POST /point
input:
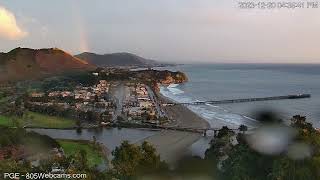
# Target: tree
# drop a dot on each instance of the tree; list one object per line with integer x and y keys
{"x": 119, "y": 118}
{"x": 79, "y": 127}
{"x": 225, "y": 131}
{"x": 78, "y": 123}
{"x": 241, "y": 162}
{"x": 10, "y": 165}
{"x": 131, "y": 160}
{"x": 15, "y": 122}
{"x": 243, "y": 128}
{"x": 80, "y": 159}
{"x": 220, "y": 146}
{"x": 151, "y": 162}
{"x": 244, "y": 163}
{"x": 300, "y": 122}
{"x": 79, "y": 130}
{"x": 285, "y": 168}
{"x": 126, "y": 159}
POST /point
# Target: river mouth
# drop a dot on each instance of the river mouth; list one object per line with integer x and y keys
{"x": 109, "y": 137}
{"x": 113, "y": 137}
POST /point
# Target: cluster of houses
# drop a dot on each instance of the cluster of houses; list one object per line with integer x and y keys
{"x": 81, "y": 93}
{"x": 138, "y": 105}
{"x": 95, "y": 98}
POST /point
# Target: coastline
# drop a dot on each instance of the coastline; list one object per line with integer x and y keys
{"x": 173, "y": 145}
{"x": 183, "y": 116}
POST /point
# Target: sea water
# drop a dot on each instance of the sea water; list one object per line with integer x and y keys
{"x": 232, "y": 81}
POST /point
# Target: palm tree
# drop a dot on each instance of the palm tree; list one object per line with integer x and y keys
{"x": 243, "y": 128}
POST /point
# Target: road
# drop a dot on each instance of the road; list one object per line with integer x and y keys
{"x": 119, "y": 94}
{"x": 154, "y": 100}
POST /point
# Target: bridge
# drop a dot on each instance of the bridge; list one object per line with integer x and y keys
{"x": 203, "y": 131}
{"x": 228, "y": 101}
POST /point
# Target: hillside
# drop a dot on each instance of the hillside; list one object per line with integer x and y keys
{"x": 24, "y": 63}
{"x": 116, "y": 59}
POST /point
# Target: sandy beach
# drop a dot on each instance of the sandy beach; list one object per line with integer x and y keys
{"x": 173, "y": 145}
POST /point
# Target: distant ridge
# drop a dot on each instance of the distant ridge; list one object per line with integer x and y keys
{"x": 117, "y": 59}
{"x": 25, "y": 63}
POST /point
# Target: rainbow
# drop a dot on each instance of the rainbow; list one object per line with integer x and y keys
{"x": 80, "y": 27}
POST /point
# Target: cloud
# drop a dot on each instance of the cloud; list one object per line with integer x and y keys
{"x": 9, "y": 28}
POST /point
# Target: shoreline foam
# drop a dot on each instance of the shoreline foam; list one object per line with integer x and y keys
{"x": 216, "y": 116}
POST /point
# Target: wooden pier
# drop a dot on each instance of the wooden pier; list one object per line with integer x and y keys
{"x": 229, "y": 101}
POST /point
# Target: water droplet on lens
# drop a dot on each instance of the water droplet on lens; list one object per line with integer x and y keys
{"x": 271, "y": 139}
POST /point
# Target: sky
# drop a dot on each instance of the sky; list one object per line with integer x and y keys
{"x": 180, "y": 31}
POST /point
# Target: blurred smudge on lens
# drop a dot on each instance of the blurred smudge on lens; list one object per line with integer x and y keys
{"x": 271, "y": 139}
{"x": 267, "y": 117}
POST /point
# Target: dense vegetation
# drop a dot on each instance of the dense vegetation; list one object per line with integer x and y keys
{"x": 116, "y": 59}
{"x": 241, "y": 161}
{"x": 224, "y": 160}
{"x": 6, "y": 122}
{"x": 2, "y": 94}
{"x": 143, "y": 76}
{"x": 68, "y": 81}
{"x": 32, "y": 119}
{"x": 133, "y": 161}
{"x": 130, "y": 161}
{"x": 20, "y": 137}
{"x": 227, "y": 160}
{"x": 93, "y": 151}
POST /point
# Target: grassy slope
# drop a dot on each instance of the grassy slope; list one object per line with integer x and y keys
{"x": 4, "y": 99}
{"x": 40, "y": 120}
{"x": 5, "y": 121}
{"x": 94, "y": 156}
{"x": 50, "y": 121}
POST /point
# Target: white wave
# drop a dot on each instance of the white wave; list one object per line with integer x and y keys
{"x": 173, "y": 88}
{"x": 212, "y": 114}
{"x": 219, "y": 107}
{"x": 250, "y": 118}
{"x": 212, "y": 105}
{"x": 174, "y": 96}
{"x": 173, "y": 85}
{"x": 176, "y": 91}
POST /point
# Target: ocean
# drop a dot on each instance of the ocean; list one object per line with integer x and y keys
{"x": 231, "y": 81}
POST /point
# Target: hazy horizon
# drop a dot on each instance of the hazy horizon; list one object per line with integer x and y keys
{"x": 177, "y": 31}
